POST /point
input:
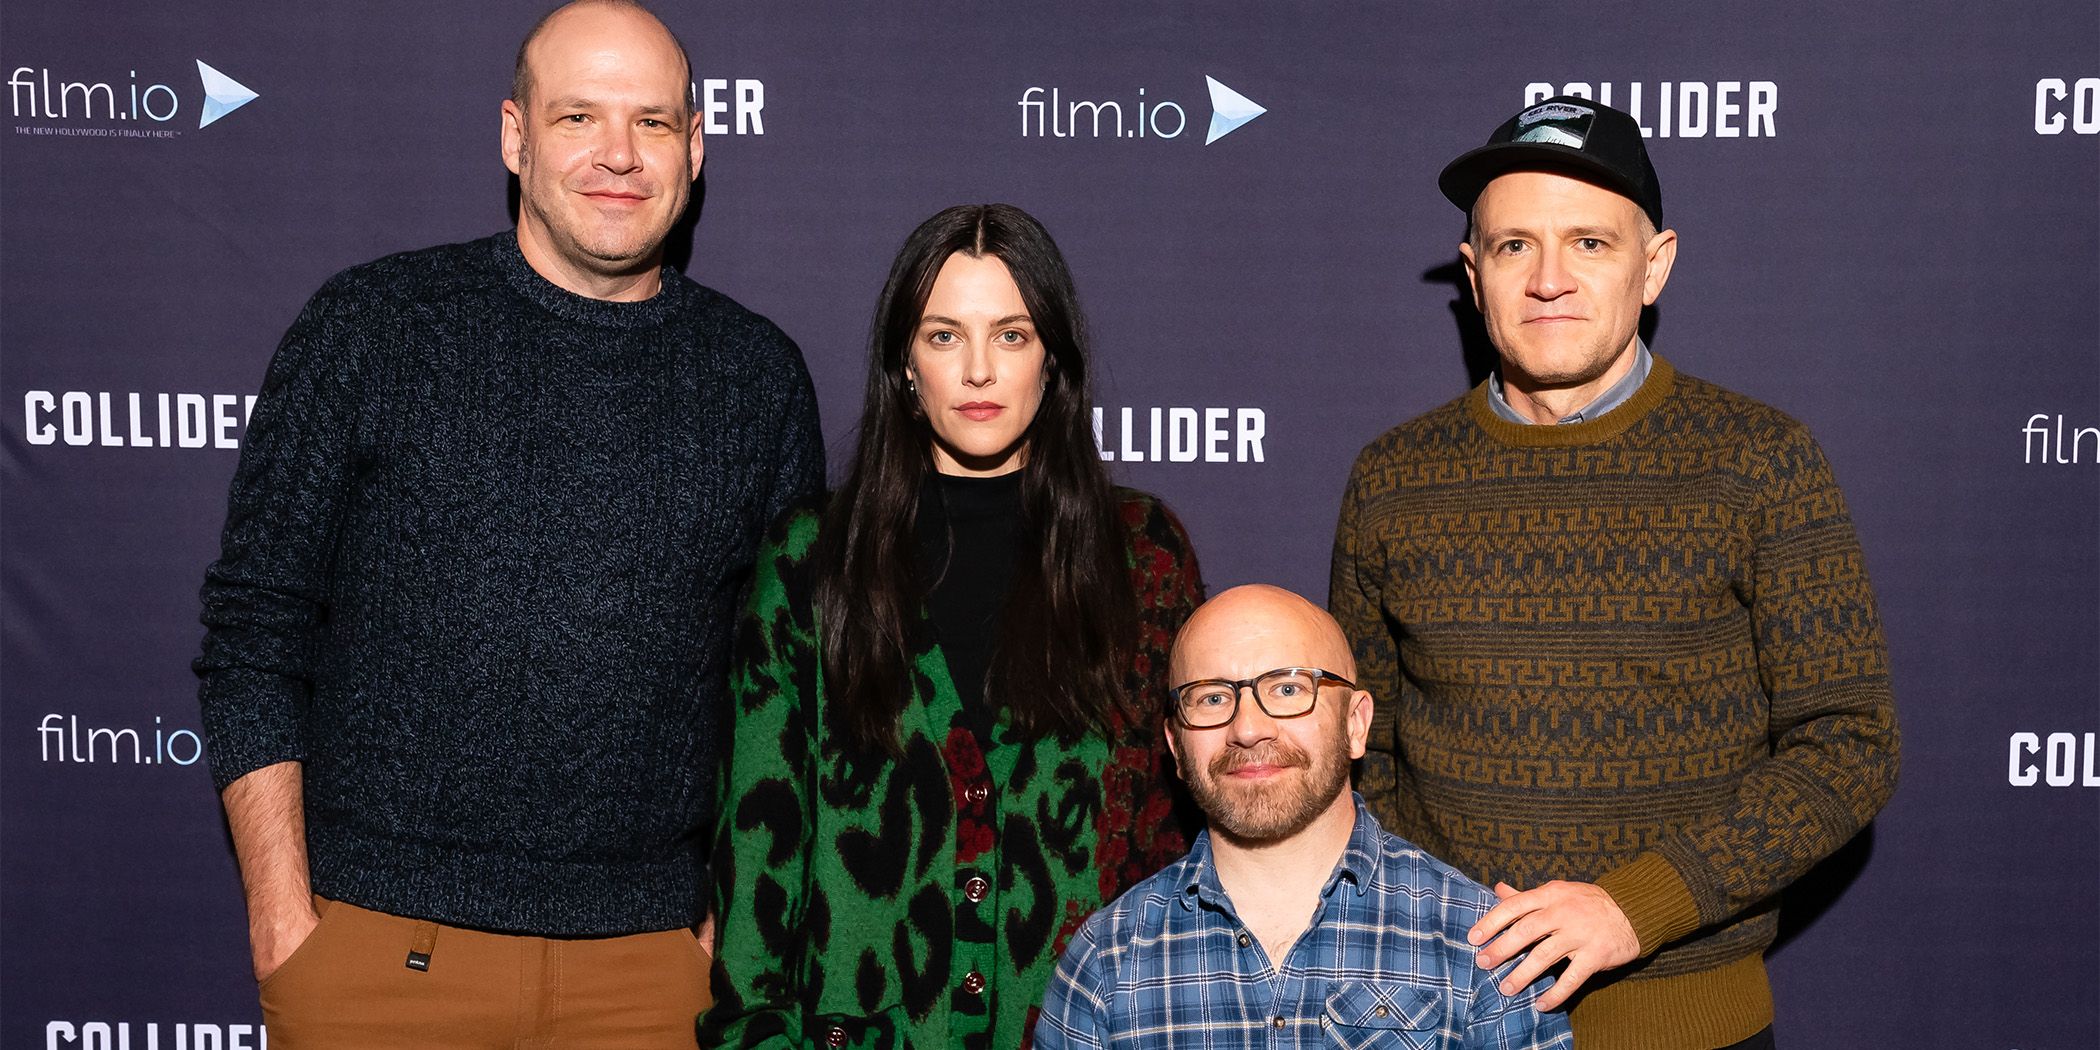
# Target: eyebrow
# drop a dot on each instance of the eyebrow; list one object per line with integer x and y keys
{"x": 1008, "y": 319}
{"x": 1599, "y": 232}
{"x": 573, "y": 102}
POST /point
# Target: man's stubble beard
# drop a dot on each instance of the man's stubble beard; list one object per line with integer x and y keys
{"x": 1258, "y": 813}
{"x": 567, "y": 227}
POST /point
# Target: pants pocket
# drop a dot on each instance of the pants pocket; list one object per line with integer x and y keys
{"x": 307, "y": 948}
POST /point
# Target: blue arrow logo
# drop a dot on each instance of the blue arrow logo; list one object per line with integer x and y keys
{"x": 1229, "y": 110}
{"x": 222, "y": 94}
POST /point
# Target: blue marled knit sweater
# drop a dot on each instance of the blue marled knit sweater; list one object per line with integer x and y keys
{"x": 479, "y": 573}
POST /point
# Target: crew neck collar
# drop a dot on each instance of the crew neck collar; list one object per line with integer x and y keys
{"x": 583, "y": 309}
{"x": 1662, "y": 379}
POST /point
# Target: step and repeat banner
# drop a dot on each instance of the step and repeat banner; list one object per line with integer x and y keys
{"x": 1890, "y": 223}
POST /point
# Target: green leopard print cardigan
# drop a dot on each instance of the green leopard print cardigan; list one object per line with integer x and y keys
{"x": 924, "y": 903}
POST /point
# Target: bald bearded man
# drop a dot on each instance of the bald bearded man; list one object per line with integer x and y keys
{"x": 1295, "y": 920}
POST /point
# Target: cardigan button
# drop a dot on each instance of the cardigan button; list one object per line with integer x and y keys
{"x": 977, "y": 889}
{"x": 834, "y": 1036}
{"x": 977, "y": 793}
{"x": 973, "y": 982}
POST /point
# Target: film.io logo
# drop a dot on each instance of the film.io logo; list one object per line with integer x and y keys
{"x": 61, "y": 738}
{"x": 2052, "y": 441}
{"x": 1052, "y": 113}
{"x": 55, "y": 105}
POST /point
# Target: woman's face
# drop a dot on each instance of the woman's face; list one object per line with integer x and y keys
{"x": 977, "y": 367}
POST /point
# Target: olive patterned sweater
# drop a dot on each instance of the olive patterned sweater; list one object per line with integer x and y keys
{"x": 1639, "y": 651}
{"x": 923, "y": 901}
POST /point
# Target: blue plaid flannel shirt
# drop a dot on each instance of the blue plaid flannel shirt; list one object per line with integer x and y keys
{"x": 1384, "y": 963}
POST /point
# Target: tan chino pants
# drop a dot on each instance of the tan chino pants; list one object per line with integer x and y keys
{"x": 366, "y": 979}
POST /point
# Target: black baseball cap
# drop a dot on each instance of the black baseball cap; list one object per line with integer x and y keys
{"x": 1565, "y": 133}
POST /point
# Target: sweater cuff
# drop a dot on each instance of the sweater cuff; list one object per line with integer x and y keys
{"x": 251, "y": 720}
{"x": 1655, "y": 899}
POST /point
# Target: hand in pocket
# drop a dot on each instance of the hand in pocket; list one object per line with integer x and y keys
{"x": 273, "y": 936}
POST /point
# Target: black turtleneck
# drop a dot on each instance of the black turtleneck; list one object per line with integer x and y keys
{"x": 967, "y": 538}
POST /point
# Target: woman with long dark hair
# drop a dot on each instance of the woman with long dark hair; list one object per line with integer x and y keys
{"x": 948, "y": 684}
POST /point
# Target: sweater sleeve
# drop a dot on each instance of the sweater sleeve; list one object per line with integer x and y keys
{"x": 1169, "y": 584}
{"x": 1823, "y": 666}
{"x": 1354, "y": 598}
{"x": 766, "y": 826}
{"x": 799, "y": 472}
{"x": 265, "y": 598}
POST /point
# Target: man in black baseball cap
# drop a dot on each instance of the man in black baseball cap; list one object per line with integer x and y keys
{"x": 1630, "y": 669}
{"x": 1565, "y": 322}
{"x": 1568, "y": 134}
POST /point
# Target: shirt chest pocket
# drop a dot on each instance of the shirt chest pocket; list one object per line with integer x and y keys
{"x": 1365, "y": 1014}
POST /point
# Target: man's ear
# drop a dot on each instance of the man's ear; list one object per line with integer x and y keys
{"x": 1662, "y": 255}
{"x": 1465, "y": 258}
{"x": 513, "y": 135}
{"x": 1359, "y": 723}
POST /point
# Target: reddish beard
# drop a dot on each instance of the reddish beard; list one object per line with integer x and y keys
{"x": 1273, "y": 753}
{"x": 1273, "y": 808}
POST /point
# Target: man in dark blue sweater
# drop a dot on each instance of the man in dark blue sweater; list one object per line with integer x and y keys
{"x": 467, "y": 635}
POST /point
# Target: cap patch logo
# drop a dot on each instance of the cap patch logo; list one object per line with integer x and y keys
{"x": 1556, "y": 123}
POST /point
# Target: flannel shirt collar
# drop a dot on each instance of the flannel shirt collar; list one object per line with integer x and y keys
{"x": 1198, "y": 879}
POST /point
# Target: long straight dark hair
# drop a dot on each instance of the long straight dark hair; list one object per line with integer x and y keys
{"x": 1066, "y": 627}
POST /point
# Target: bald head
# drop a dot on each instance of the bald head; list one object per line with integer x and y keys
{"x": 1274, "y": 771}
{"x": 1255, "y": 628}
{"x": 594, "y": 17}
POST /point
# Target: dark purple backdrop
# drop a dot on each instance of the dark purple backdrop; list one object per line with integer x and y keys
{"x": 1907, "y": 256}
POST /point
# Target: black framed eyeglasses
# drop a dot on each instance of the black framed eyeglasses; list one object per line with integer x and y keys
{"x": 1285, "y": 692}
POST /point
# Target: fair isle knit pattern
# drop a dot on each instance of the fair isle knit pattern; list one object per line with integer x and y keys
{"x": 1639, "y": 651}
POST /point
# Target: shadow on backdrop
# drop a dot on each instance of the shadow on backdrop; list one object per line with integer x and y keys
{"x": 678, "y": 244}
{"x": 1813, "y": 893}
{"x": 1477, "y": 353}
